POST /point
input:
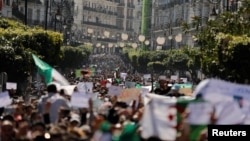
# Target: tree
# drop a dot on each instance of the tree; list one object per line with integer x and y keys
{"x": 74, "y": 57}
{"x": 225, "y": 45}
{"x": 18, "y": 42}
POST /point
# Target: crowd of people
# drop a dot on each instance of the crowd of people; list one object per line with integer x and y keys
{"x": 51, "y": 116}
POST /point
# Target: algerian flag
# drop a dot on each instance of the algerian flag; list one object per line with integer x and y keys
{"x": 199, "y": 116}
{"x": 49, "y": 73}
{"x": 162, "y": 117}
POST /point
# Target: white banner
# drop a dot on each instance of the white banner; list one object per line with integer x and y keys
{"x": 220, "y": 87}
{"x": 5, "y": 99}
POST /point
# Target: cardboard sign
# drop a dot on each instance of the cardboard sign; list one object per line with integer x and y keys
{"x": 128, "y": 95}
{"x": 186, "y": 91}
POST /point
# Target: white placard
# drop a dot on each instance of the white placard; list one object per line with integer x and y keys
{"x": 214, "y": 86}
{"x": 147, "y": 76}
{"x": 85, "y": 87}
{"x": 174, "y": 77}
{"x": 89, "y": 86}
{"x": 184, "y": 79}
{"x": 162, "y": 77}
{"x": 79, "y": 100}
{"x": 110, "y": 80}
{"x": 5, "y": 99}
{"x": 123, "y": 75}
{"x": 114, "y": 90}
{"x": 11, "y": 85}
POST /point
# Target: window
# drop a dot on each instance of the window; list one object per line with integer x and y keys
{"x": 7, "y": 2}
{"x": 30, "y": 12}
{"x": 38, "y": 15}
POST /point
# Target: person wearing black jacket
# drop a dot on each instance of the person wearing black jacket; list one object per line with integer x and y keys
{"x": 163, "y": 89}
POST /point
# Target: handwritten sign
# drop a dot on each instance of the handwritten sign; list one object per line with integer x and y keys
{"x": 114, "y": 90}
{"x": 79, "y": 100}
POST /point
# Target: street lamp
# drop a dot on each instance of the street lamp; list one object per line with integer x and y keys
{"x": 134, "y": 45}
{"x": 58, "y": 16}
{"x": 147, "y": 42}
{"x": 122, "y": 44}
{"x": 213, "y": 15}
{"x": 141, "y": 38}
{"x": 171, "y": 41}
{"x": 124, "y": 36}
{"x": 90, "y": 31}
{"x": 106, "y": 34}
{"x": 178, "y": 38}
{"x": 160, "y": 41}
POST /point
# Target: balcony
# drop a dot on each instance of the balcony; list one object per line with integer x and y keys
{"x": 99, "y": 24}
{"x": 121, "y": 4}
{"x": 120, "y": 16}
{"x": 99, "y": 10}
{"x": 130, "y": 17}
{"x": 131, "y": 5}
{"x": 106, "y": 40}
{"x": 130, "y": 29}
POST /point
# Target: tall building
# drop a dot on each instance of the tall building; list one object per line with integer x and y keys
{"x": 103, "y": 23}
{"x": 169, "y": 15}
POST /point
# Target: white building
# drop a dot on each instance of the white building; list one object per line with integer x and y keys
{"x": 169, "y": 15}
{"x": 102, "y": 22}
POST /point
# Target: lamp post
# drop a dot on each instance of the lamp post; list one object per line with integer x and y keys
{"x": 147, "y": 42}
{"x": 178, "y": 39}
{"x": 57, "y": 18}
{"x": 170, "y": 37}
{"x": 141, "y": 38}
{"x": 160, "y": 41}
{"x": 134, "y": 45}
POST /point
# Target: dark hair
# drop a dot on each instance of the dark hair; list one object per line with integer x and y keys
{"x": 9, "y": 118}
{"x": 198, "y": 96}
{"x": 62, "y": 92}
{"x": 39, "y": 124}
{"x": 52, "y": 88}
{"x": 154, "y": 139}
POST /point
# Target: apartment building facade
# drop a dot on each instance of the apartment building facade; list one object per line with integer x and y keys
{"x": 168, "y": 16}
{"x": 103, "y": 22}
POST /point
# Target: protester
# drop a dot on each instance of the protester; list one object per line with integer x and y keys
{"x": 106, "y": 117}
